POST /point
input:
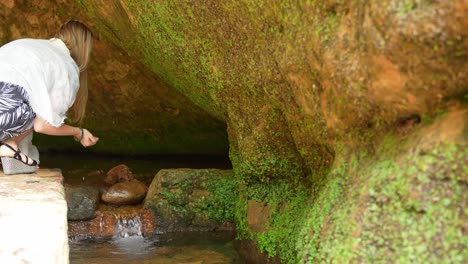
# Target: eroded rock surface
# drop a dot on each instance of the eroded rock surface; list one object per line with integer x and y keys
{"x": 190, "y": 199}
{"x": 119, "y": 173}
{"x": 33, "y": 218}
{"x": 82, "y": 202}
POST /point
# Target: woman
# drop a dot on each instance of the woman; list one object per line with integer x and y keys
{"x": 40, "y": 82}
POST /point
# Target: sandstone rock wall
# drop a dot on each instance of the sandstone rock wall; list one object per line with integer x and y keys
{"x": 291, "y": 79}
{"x": 323, "y": 102}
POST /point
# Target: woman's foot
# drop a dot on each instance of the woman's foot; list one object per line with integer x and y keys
{"x": 10, "y": 149}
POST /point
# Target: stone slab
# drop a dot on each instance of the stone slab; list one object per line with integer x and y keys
{"x": 33, "y": 218}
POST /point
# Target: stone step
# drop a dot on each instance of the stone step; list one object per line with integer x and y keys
{"x": 33, "y": 218}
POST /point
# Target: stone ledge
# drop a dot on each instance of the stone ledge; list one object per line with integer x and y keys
{"x": 33, "y": 218}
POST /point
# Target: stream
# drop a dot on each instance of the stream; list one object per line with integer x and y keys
{"x": 128, "y": 245}
{"x": 176, "y": 248}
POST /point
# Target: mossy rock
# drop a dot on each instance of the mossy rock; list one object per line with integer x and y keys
{"x": 192, "y": 199}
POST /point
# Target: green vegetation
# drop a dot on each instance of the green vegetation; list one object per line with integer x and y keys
{"x": 220, "y": 205}
{"x": 200, "y": 195}
{"x": 283, "y": 228}
{"x": 369, "y": 208}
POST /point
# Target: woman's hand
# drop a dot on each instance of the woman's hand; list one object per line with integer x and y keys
{"x": 88, "y": 139}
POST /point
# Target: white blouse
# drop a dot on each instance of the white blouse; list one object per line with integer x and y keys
{"x": 45, "y": 69}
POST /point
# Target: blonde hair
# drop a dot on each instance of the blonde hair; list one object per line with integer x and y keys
{"x": 79, "y": 40}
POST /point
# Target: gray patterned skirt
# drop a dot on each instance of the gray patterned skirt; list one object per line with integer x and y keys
{"x": 16, "y": 115}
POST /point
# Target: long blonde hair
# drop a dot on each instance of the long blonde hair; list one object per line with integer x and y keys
{"x": 79, "y": 40}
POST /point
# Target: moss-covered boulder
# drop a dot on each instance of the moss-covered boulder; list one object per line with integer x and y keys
{"x": 192, "y": 199}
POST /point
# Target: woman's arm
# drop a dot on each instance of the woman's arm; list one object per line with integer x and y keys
{"x": 42, "y": 126}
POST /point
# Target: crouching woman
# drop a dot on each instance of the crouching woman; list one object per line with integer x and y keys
{"x": 41, "y": 82}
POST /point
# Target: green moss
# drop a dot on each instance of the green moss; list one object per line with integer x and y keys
{"x": 287, "y": 202}
{"x": 240, "y": 215}
{"x": 322, "y": 213}
{"x": 267, "y": 165}
{"x": 407, "y": 6}
{"x": 164, "y": 26}
{"x": 393, "y": 207}
{"x": 220, "y": 205}
{"x": 175, "y": 200}
{"x": 284, "y": 226}
{"x": 418, "y": 204}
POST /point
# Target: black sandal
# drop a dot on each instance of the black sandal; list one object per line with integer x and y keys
{"x": 15, "y": 164}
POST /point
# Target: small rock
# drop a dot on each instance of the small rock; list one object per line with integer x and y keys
{"x": 124, "y": 193}
{"x": 82, "y": 202}
{"x": 120, "y": 173}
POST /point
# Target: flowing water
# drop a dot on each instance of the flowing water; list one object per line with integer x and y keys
{"x": 128, "y": 246}
{"x": 130, "y": 227}
{"x": 159, "y": 249}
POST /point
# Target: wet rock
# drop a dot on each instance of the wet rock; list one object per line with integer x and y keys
{"x": 105, "y": 223}
{"x": 82, "y": 202}
{"x": 120, "y": 173}
{"x": 123, "y": 193}
{"x": 258, "y": 215}
{"x": 181, "y": 200}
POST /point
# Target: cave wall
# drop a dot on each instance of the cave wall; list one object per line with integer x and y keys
{"x": 291, "y": 79}
{"x": 327, "y": 104}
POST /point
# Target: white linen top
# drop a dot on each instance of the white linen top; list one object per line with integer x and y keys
{"x": 45, "y": 69}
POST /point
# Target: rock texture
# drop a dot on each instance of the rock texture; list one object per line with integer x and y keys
{"x": 33, "y": 218}
{"x": 106, "y": 223}
{"x": 82, "y": 202}
{"x": 188, "y": 199}
{"x": 125, "y": 193}
{"x": 119, "y": 173}
{"x": 293, "y": 79}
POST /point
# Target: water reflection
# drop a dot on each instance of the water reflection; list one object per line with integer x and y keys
{"x": 84, "y": 169}
{"x": 175, "y": 248}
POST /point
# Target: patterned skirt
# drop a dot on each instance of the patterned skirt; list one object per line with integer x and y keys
{"x": 16, "y": 115}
